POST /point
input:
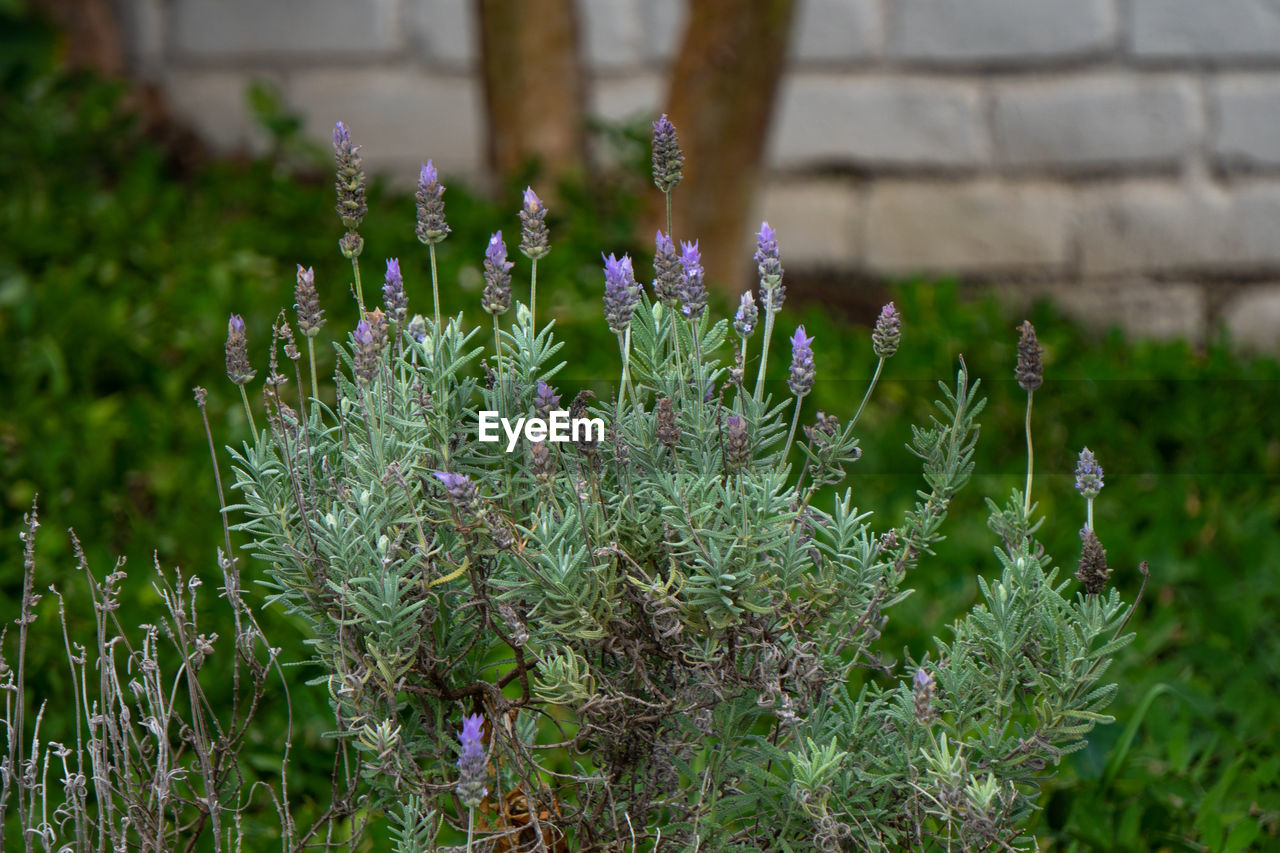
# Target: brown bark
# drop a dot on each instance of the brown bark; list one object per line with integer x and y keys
{"x": 92, "y": 32}
{"x": 723, "y": 89}
{"x": 534, "y": 91}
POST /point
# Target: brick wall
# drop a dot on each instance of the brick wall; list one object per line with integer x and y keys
{"x": 1122, "y": 154}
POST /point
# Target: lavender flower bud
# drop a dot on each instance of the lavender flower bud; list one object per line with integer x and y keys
{"x": 418, "y": 328}
{"x": 310, "y": 317}
{"x": 667, "y": 430}
{"x": 462, "y": 492}
{"x": 393, "y": 295}
{"x": 1088, "y": 475}
{"x": 744, "y": 322}
{"x": 540, "y": 462}
{"x": 351, "y": 245}
{"x": 667, "y": 159}
{"x": 1093, "y": 571}
{"x": 666, "y": 270}
{"x": 802, "y": 370}
{"x": 471, "y": 768}
{"x": 693, "y": 293}
{"x": 238, "y": 368}
{"x": 545, "y": 400}
{"x": 430, "y": 198}
{"x": 887, "y": 333}
{"x": 350, "y": 185}
{"x": 1030, "y": 371}
{"x": 534, "y": 243}
{"x": 769, "y": 265}
{"x": 370, "y": 336}
{"x": 923, "y": 688}
{"x": 737, "y": 445}
{"x": 497, "y": 276}
{"x": 621, "y": 294}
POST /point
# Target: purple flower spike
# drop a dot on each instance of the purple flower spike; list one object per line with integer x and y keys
{"x": 769, "y": 265}
{"x": 370, "y": 337}
{"x": 497, "y": 276}
{"x": 802, "y": 370}
{"x": 744, "y": 322}
{"x": 1088, "y": 475}
{"x": 693, "y": 293}
{"x": 472, "y": 773}
{"x": 310, "y": 316}
{"x": 239, "y": 370}
{"x": 668, "y": 161}
{"x": 545, "y": 400}
{"x": 621, "y": 293}
{"x": 922, "y": 690}
{"x": 534, "y": 242}
{"x": 431, "y": 226}
{"x": 666, "y": 270}
{"x": 393, "y": 295}
{"x": 887, "y": 333}
{"x": 462, "y": 492}
{"x": 737, "y": 444}
{"x": 350, "y": 185}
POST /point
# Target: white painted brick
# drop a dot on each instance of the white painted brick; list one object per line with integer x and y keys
{"x": 828, "y": 30}
{"x": 1000, "y": 30}
{"x": 400, "y": 117}
{"x": 1145, "y": 226}
{"x": 1143, "y": 309}
{"x": 446, "y": 29}
{"x": 818, "y": 222}
{"x": 227, "y": 28}
{"x": 1202, "y": 29}
{"x": 612, "y": 33}
{"x": 880, "y": 120}
{"x": 215, "y": 104}
{"x": 1096, "y": 120}
{"x": 664, "y": 23}
{"x": 971, "y": 227}
{"x": 1253, "y": 318}
{"x": 1248, "y": 120}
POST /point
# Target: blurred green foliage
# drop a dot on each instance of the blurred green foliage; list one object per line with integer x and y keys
{"x": 117, "y": 275}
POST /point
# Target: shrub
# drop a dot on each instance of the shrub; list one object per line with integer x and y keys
{"x": 661, "y": 597}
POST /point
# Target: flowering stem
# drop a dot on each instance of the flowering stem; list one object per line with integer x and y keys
{"x": 1026, "y": 500}
{"x": 1089, "y": 514}
{"x": 244, "y": 396}
{"x": 624, "y": 343}
{"x": 355, "y": 271}
{"x": 471, "y": 827}
{"x": 667, "y": 193}
{"x": 311, "y": 359}
{"x": 435, "y": 287}
{"x": 533, "y": 295}
{"x": 502, "y": 376}
{"x": 867, "y": 396}
{"x": 764, "y": 352}
{"x": 791, "y": 434}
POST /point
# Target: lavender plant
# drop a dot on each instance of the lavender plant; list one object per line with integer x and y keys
{"x": 659, "y": 624}
{"x": 654, "y": 631}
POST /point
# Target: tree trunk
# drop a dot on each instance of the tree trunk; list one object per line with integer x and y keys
{"x": 92, "y": 33}
{"x": 722, "y": 93}
{"x": 534, "y": 91}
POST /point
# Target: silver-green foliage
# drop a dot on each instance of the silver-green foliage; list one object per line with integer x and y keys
{"x": 685, "y": 626}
